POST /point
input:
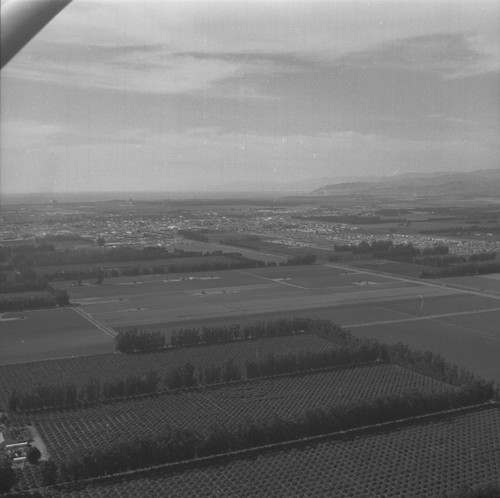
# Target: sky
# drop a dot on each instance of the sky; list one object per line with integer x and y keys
{"x": 155, "y": 95}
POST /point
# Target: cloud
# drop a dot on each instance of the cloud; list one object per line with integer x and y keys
{"x": 29, "y": 135}
{"x": 189, "y": 47}
{"x": 154, "y": 69}
{"x": 151, "y": 70}
{"x": 123, "y": 94}
{"x": 486, "y": 57}
{"x": 449, "y": 56}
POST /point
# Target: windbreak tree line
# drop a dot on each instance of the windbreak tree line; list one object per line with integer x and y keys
{"x": 228, "y": 333}
{"x": 462, "y": 270}
{"x": 386, "y": 249}
{"x": 48, "y": 298}
{"x": 350, "y": 351}
{"x": 449, "y": 265}
{"x": 176, "y": 444}
{"x": 93, "y": 391}
{"x": 223, "y": 261}
{"x": 293, "y": 363}
{"x": 28, "y": 290}
{"x": 18, "y": 301}
{"x": 139, "y": 341}
{"x": 20, "y": 285}
{"x": 99, "y": 255}
{"x": 231, "y": 261}
{"x": 304, "y": 259}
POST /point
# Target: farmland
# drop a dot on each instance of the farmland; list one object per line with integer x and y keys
{"x": 70, "y": 431}
{"x": 234, "y": 414}
{"x": 489, "y": 283}
{"x": 432, "y": 458}
{"x": 112, "y": 366}
{"x": 469, "y": 340}
{"x": 373, "y": 304}
{"x": 159, "y": 300}
{"x": 49, "y": 333}
{"x": 99, "y": 425}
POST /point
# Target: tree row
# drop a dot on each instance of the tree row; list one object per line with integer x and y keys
{"x": 176, "y": 444}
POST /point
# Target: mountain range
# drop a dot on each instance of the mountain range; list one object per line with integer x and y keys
{"x": 480, "y": 183}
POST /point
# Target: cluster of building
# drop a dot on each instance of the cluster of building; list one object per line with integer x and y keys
{"x": 273, "y": 224}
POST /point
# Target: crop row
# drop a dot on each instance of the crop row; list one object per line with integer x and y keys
{"x": 67, "y": 432}
{"x": 109, "y": 367}
{"x": 434, "y": 459}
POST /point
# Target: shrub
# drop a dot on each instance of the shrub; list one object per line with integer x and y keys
{"x": 33, "y": 455}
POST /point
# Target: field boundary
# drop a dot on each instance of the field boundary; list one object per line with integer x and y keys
{"x": 222, "y": 457}
{"x": 110, "y": 332}
{"x": 421, "y": 318}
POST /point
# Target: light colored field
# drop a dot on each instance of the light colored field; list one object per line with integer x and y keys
{"x": 471, "y": 341}
{"x": 151, "y": 301}
{"x": 50, "y": 333}
{"x": 489, "y": 283}
{"x": 240, "y": 292}
{"x": 364, "y": 300}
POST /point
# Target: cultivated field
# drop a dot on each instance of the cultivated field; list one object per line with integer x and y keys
{"x": 427, "y": 459}
{"x": 458, "y": 322}
{"x": 489, "y": 283}
{"x": 472, "y": 341}
{"x": 158, "y": 301}
{"x": 107, "y": 367}
{"x": 66, "y": 432}
{"x": 49, "y": 333}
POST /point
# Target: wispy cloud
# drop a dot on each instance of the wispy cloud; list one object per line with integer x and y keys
{"x": 248, "y": 90}
{"x": 188, "y": 47}
{"x": 148, "y": 68}
{"x": 449, "y": 56}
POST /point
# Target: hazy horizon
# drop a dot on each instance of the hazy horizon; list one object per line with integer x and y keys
{"x": 161, "y": 96}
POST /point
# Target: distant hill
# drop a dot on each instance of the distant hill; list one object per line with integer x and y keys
{"x": 481, "y": 183}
